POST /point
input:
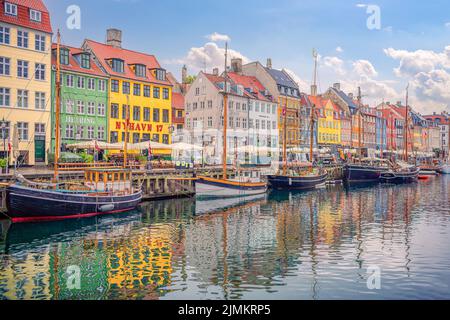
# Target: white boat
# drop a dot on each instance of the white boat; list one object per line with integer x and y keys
{"x": 445, "y": 169}
{"x": 222, "y": 204}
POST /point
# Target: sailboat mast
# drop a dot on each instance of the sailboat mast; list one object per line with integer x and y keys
{"x": 127, "y": 123}
{"x": 57, "y": 106}
{"x": 285, "y": 138}
{"x": 406, "y": 125}
{"x": 314, "y": 93}
{"x": 225, "y": 116}
{"x": 359, "y": 124}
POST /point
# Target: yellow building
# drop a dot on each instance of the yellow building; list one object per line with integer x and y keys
{"x": 25, "y": 80}
{"x": 138, "y": 85}
{"x": 329, "y": 124}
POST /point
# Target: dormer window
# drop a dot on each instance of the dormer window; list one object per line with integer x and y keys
{"x": 140, "y": 70}
{"x": 117, "y": 65}
{"x": 64, "y": 56}
{"x": 161, "y": 74}
{"x": 35, "y": 15}
{"x": 85, "y": 61}
{"x": 10, "y": 9}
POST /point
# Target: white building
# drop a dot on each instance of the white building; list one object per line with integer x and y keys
{"x": 252, "y": 129}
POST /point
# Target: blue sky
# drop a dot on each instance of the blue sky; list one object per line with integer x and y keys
{"x": 411, "y": 45}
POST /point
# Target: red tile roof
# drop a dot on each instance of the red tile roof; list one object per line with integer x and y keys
{"x": 105, "y": 52}
{"x": 320, "y": 103}
{"x": 249, "y": 82}
{"x": 23, "y": 15}
{"x": 73, "y": 65}
{"x": 442, "y": 118}
{"x": 177, "y": 100}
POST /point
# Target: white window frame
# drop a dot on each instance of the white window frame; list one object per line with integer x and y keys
{"x": 4, "y": 32}
{"x": 91, "y": 84}
{"x": 24, "y": 36}
{"x": 23, "y": 66}
{"x": 70, "y": 82}
{"x": 39, "y": 100}
{"x": 5, "y": 93}
{"x": 10, "y": 9}
{"x": 22, "y": 98}
{"x": 39, "y": 73}
{"x": 6, "y": 65}
{"x": 101, "y": 109}
{"x": 91, "y": 108}
{"x": 35, "y": 15}
{"x": 40, "y": 42}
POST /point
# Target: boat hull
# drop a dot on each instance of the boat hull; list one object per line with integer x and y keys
{"x": 29, "y": 205}
{"x": 445, "y": 169}
{"x": 280, "y": 182}
{"x": 358, "y": 173}
{"x": 209, "y": 188}
{"x": 400, "y": 177}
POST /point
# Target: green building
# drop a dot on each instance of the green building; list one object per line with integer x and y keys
{"x": 84, "y": 97}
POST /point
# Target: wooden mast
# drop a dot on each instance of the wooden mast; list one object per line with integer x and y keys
{"x": 406, "y": 125}
{"x": 313, "y": 109}
{"x": 57, "y": 106}
{"x": 359, "y": 124}
{"x": 127, "y": 123}
{"x": 225, "y": 116}
{"x": 285, "y": 138}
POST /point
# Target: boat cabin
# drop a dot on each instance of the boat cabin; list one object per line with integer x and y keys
{"x": 109, "y": 180}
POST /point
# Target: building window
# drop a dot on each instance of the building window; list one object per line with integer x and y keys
{"x": 155, "y": 114}
{"x": 155, "y": 137}
{"x": 136, "y": 113}
{"x": 80, "y": 107}
{"x": 125, "y": 112}
{"x": 10, "y": 9}
{"x": 64, "y": 56}
{"x": 22, "y": 39}
{"x": 197, "y": 91}
{"x": 156, "y": 92}
{"x": 165, "y": 138}
{"x": 22, "y": 130}
{"x": 114, "y": 111}
{"x": 91, "y": 108}
{"x": 22, "y": 69}
{"x": 85, "y": 61}
{"x": 114, "y": 85}
{"x": 145, "y": 137}
{"x": 5, "y": 65}
{"x": 22, "y": 98}
{"x": 140, "y": 70}
{"x": 91, "y": 84}
{"x": 101, "y": 111}
{"x": 166, "y": 116}
{"x": 210, "y": 104}
{"x": 136, "y": 137}
{"x": 35, "y": 15}
{"x": 39, "y": 43}
{"x": 161, "y": 74}
{"x": 101, "y": 133}
{"x": 69, "y": 131}
{"x": 5, "y": 97}
{"x": 4, "y": 35}
{"x": 114, "y": 135}
{"x": 137, "y": 89}
{"x": 39, "y": 71}
{"x": 146, "y": 91}
{"x": 80, "y": 132}
{"x": 6, "y": 130}
{"x": 166, "y": 94}
{"x": 126, "y": 87}
{"x": 102, "y": 85}
{"x": 146, "y": 114}
{"x": 210, "y": 122}
{"x": 39, "y": 129}
{"x": 117, "y": 65}
{"x": 69, "y": 81}
{"x": 40, "y": 100}
{"x": 90, "y": 133}
{"x": 80, "y": 83}
{"x": 70, "y": 106}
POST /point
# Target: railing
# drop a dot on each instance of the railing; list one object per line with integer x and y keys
{"x": 82, "y": 166}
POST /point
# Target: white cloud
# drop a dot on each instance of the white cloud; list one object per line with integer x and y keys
{"x": 447, "y": 24}
{"x": 209, "y": 55}
{"x": 361, "y": 5}
{"x": 304, "y": 86}
{"x": 428, "y": 73}
{"x": 216, "y": 37}
{"x": 335, "y": 64}
{"x": 364, "y": 68}
{"x": 339, "y": 50}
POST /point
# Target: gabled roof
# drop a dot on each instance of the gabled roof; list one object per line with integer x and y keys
{"x": 441, "y": 119}
{"x": 74, "y": 66}
{"x": 23, "y": 15}
{"x": 177, "y": 100}
{"x": 321, "y": 103}
{"x": 347, "y": 100}
{"x": 256, "y": 89}
{"x": 105, "y": 52}
{"x": 282, "y": 78}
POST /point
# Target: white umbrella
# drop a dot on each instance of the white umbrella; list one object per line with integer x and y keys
{"x": 146, "y": 144}
{"x": 91, "y": 145}
{"x": 180, "y": 146}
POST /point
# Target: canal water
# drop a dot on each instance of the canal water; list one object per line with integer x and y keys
{"x": 370, "y": 242}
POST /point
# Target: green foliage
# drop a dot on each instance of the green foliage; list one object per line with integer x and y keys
{"x": 190, "y": 79}
{"x": 3, "y": 163}
{"x": 88, "y": 158}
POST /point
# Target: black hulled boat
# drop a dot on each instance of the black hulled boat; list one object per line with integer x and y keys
{"x": 367, "y": 170}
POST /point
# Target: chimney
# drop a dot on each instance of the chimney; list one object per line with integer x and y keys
{"x": 337, "y": 86}
{"x": 114, "y": 38}
{"x": 184, "y": 74}
{"x": 216, "y": 71}
{"x": 236, "y": 65}
{"x": 269, "y": 63}
{"x": 314, "y": 90}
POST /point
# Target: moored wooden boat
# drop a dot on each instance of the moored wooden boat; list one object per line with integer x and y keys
{"x": 368, "y": 170}
{"x": 206, "y": 187}
{"x": 307, "y": 181}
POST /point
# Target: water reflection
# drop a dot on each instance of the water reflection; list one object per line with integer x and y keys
{"x": 310, "y": 245}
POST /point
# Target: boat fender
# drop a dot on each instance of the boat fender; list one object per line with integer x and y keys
{"x": 107, "y": 207}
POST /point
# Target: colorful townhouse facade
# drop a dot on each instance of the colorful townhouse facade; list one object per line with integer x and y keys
{"x": 391, "y": 118}
{"x": 84, "y": 97}
{"x": 25, "y": 72}
{"x": 286, "y": 93}
{"x": 328, "y": 121}
{"x": 252, "y": 128}
{"x": 138, "y": 91}
{"x": 442, "y": 122}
